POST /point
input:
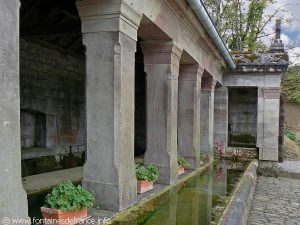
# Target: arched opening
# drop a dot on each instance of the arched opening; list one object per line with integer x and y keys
{"x": 140, "y": 103}
{"x": 52, "y": 90}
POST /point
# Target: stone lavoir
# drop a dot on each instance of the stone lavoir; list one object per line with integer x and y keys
{"x": 126, "y": 78}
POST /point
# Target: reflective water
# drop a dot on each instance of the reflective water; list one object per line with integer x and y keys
{"x": 199, "y": 201}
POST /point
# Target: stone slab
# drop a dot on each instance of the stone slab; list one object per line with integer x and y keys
{"x": 289, "y": 169}
{"x": 46, "y": 181}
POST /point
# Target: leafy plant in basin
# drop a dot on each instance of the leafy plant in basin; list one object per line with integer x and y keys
{"x": 146, "y": 175}
{"x": 67, "y": 204}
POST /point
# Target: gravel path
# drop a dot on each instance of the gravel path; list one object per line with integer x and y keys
{"x": 276, "y": 202}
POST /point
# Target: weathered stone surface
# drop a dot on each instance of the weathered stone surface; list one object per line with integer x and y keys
{"x": 52, "y": 98}
{"x": 13, "y": 202}
{"x": 242, "y": 116}
{"x": 276, "y": 202}
{"x": 241, "y": 152}
{"x": 189, "y": 92}
{"x": 221, "y": 116}
{"x": 162, "y": 68}
{"x": 110, "y": 34}
{"x": 109, "y": 169}
{"x": 207, "y": 122}
{"x": 268, "y": 168}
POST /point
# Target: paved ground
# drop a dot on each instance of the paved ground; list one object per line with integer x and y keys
{"x": 276, "y": 202}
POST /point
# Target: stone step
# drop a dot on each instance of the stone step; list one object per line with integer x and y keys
{"x": 289, "y": 169}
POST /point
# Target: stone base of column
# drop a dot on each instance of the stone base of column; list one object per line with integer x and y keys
{"x": 268, "y": 168}
{"x": 168, "y": 175}
{"x": 14, "y": 204}
{"x": 114, "y": 197}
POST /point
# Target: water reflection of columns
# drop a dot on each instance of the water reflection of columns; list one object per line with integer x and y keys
{"x": 206, "y": 194}
{"x": 189, "y": 206}
{"x": 166, "y": 215}
{"x": 220, "y": 180}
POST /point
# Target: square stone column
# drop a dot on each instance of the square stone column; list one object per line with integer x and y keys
{"x": 13, "y": 199}
{"x": 221, "y": 116}
{"x": 268, "y": 129}
{"x": 162, "y": 68}
{"x": 189, "y": 96}
{"x": 207, "y": 116}
{"x": 109, "y": 35}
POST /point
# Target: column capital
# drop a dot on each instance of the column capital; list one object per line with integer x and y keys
{"x": 161, "y": 53}
{"x": 208, "y": 83}
{"x": 271, "y": 92}
{"x": 114, "y": 16}
{"x": 193, "y": 72}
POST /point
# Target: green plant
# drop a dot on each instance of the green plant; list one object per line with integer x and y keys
{"x": 149, "y": 172}
{"x": 292, "y": 135}
{"x": 202, "y": 156}
{"x": 216, "y": 155}
{"x": 100, "y": 206}
{"x": 182, "y": 162}
{"x": 68, "y": 197}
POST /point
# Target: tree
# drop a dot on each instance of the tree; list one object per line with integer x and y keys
{"x": 242, "y": 23}
{"x": 290, "y": 84}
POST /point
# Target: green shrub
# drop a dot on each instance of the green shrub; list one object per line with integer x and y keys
{"x": 202, "y": 156}
{"x": 182, "y": 162}
{"x": 149, "y": 172}
{"x": 68, "y": 197}
{"x": 216, "y": 155}
{"x": 291, "y": 135}
{"x": 290, "y": 84}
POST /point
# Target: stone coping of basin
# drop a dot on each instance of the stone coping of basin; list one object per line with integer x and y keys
{"x": 156, "y": 192}
{"x": 238, "y": 208}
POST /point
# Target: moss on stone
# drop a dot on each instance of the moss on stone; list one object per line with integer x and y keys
{"x": 252, "y": 57}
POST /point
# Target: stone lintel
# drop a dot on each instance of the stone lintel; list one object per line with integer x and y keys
{"x": 114, "y": 16}
{"x": 161, "y": 53}
{"x": 271, "y": 92}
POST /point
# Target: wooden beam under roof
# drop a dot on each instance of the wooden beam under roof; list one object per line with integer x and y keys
{"x": 52, "y": 30}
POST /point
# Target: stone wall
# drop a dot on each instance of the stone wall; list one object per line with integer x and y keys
{"x": 52, "y": 99}
{"x": 242, "y": 117}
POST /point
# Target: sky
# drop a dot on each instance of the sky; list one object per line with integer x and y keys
{"x": 290, "y": 31}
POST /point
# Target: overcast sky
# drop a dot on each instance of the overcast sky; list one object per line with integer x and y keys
{"x": 290, "y": 32}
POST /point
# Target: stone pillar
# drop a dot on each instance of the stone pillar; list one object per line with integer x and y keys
{"x": 162, "y": 68}
{"x": 13, "y": 199}
{"x": 109, "y": 35}
{"x": 268, "y": 129}
{"x": 189, "y": 95}
{"x": 221, "y": 116}
{"x": 207, "y": 116}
